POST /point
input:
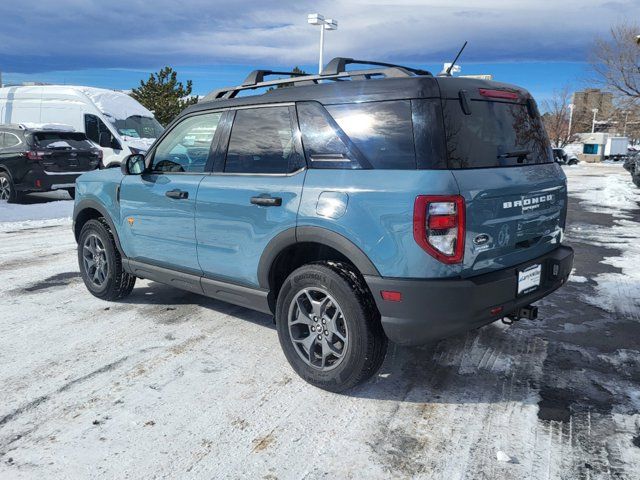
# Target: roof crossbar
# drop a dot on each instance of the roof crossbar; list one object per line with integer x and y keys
{"x": 339, "y": 64}
{"x": 257, "y": 76}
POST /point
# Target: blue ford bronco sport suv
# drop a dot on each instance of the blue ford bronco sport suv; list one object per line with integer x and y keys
{"x": 356, "y": 206}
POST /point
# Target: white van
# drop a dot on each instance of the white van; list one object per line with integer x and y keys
{"x": 114, "y": 121}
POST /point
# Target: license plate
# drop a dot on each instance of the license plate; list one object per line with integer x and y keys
{"x": 529, "y": 279}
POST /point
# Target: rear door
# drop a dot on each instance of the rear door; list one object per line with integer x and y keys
{"x": 158, "y": 207}
{"x": 515, "y": 194}
{"x": 253, "y": 195}
{"x": 65, "y": 152}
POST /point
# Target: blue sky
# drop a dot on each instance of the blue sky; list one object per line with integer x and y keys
{"x": 541, "y": 45}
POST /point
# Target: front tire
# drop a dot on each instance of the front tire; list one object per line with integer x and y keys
{"x": 101, "y": 264}
{"x": 329, "y": 327}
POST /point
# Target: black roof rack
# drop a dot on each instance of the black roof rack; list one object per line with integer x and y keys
{"x": 338, "y": 65}
{"x": 335, "y": 70}
{"x": 257, "y": 76}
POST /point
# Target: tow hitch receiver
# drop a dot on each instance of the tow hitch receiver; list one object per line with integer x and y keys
{"x": 529, "y": 313}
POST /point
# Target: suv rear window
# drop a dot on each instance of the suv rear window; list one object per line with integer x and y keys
{"x": 62, "y": 140}
{"x": 495, "y": 134}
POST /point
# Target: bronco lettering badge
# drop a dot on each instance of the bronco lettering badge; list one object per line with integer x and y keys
{"x": 529, "y": 203}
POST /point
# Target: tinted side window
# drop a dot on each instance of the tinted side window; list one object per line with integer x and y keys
{"x": 9, "y": 140}
{"x": 187, "y": 146}
{"x": 93, "y": 127}
{"x": 325, "y": 144}
{"x": 262, "y": 141}
{"x": 382, "y": 132}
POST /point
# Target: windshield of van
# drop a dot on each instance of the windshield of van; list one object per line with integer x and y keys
{"x": 496, "y": 134}
{"x": 137, "y": 126}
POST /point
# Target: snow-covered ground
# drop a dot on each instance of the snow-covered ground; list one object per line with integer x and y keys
{"x": 38, "y": 209}
{"x": 169, "y": 384}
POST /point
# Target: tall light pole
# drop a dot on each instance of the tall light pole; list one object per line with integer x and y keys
{"x": 626, "y": 118}
{"x": 325, "y": 24}
{"x": 593, "y": 123}
{"x": 571, "y": 107}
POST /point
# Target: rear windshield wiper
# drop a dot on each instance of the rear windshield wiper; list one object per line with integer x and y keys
{"x": 521, "y": 155}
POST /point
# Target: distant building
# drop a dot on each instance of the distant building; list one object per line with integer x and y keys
{"x": 584, "y": 102}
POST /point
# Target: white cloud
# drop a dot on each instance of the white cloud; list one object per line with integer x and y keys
{"x": 75, "y": 33}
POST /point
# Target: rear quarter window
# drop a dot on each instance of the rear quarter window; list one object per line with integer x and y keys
{"x": 376, "y": 135}
{"x": 382, "y": 131}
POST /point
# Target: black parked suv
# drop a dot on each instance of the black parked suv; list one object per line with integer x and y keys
{"x": 43, "y": 159}
{"x": 561, "y": 156}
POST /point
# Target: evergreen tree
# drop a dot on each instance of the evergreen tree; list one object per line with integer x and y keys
{"x": 296, "y": 69}
{"x": 164, "y": 95}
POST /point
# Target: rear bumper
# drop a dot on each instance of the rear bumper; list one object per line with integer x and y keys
{"x": 435, "y": 309}
{"x": 41, "y": 181}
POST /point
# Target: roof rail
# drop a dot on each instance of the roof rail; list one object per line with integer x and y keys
{"x": 334, "y": 71}
{"x": 338, "y": 65}
{"x": 257, "y": 76}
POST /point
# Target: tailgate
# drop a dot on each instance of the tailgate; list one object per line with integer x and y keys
{"x": 513, "y": 214}
{"x": 65, "y": 152}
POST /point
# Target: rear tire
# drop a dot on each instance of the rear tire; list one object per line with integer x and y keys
{"x": 101, "y": 264}
{"x": 636, "y": 180}
{"x": 8, "y": 192}
{"x": 329, "y": 327}
{"x": 72, "y": 193}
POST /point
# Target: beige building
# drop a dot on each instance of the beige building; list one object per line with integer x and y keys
{"x": 584, "y": 102}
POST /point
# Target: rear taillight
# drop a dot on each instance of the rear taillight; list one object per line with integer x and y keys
{"x": 99, "y": 154}
{"x": 34, "y": 155}
{"x": 439, "y": 226}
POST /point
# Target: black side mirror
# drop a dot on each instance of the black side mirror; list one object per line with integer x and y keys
{"x": 133, "y": 165}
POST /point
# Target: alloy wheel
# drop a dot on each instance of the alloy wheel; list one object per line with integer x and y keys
{"x": 94, "y": 257}
{"x": 317, "y": 329}
{"x": 5, "y": 189}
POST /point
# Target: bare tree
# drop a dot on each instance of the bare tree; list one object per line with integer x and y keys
{"x": 556, "y": 117}
{"x": 626, "y": 118}
{"x": 616, "y": 60}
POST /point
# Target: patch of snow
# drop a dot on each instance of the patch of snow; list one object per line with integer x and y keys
{"x": 577, "y": 278}
{"x": 59, "y": 144}
{"x": 117, "y": 105}
{"x": 58, "y": 127}
{"x": 502, "y": 457}
{"x": 610, "y": 191}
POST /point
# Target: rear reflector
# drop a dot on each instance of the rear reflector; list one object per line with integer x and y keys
{"x": 38, "y": 183}
{"x": 496, "y": 310}
{"x": 391, "y": 296}
{"x": 442, "y": 222}
{"x": 504, "y": 94}
{"x": 439, "y": 226}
